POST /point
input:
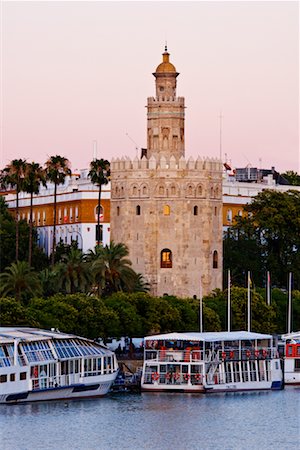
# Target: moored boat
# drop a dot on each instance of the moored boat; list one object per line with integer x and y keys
{"x": 211, "y": 362}
{"x": 289, "y": 349}
{"x": 40, "y": 365}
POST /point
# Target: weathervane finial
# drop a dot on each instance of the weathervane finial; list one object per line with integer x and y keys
{"x": 166, "y": 46}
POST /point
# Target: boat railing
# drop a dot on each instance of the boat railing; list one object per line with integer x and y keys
{"x": 170, "y": 355}
{"x": 173, "y": 379}
{"x": 238, "y": 376}
{"x": 246, "y": 353}
{"x": 55, "y": 381}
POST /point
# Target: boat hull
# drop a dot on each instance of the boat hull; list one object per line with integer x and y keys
{"x": 59, "y": 393}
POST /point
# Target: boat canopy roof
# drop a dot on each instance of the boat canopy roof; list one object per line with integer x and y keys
{"x": 27, "y": 335}
{"x": 295, "y": 335}
{"x": 209, "y": 337}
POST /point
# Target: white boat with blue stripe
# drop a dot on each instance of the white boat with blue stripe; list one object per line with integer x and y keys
{"x": 38, "y": 365}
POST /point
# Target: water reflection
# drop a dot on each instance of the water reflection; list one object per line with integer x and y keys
{"x": 264, "y": 420}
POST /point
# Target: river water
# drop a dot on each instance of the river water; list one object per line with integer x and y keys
{"x": 265, "y": 420}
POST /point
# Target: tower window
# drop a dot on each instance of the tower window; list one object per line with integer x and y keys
{"x": 118, "y": 210}
{"x": 138, "y": 210}
{"x": 166, "y": 259}
{"x": 167, "y": 210}
{"x": 196, "y": 210}
{"x": 215, "y": 259}
{"x": 161, "y": 88}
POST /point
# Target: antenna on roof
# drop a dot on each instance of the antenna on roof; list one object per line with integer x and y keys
{"x": 136, "y": 145}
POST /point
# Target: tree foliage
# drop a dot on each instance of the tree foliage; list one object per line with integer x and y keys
{"x": 267, "y": 240}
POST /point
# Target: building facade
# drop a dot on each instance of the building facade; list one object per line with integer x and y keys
{"x": 77, "y": 202}
{"x": 168, "y": 209}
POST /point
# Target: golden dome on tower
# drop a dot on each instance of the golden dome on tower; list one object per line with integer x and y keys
{"x": 165, "y": 66}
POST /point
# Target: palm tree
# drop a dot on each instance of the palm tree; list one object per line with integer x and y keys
{"x": 73, "y": 272}
{"x": 34, "y": 177}
{"x": 19, "y": 279}
{"x": 13, "y": 175}
{"x": 112, "y": 270}
{"x": 57, "y": 169}
{"x": 99, "y": 174}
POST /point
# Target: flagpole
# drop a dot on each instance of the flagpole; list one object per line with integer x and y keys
{"x": 228, "y": 300}
{"x": 290, "y": 303}
{"x": 200, "y": 308}
{"x": 249, "y": 315}
{"x": 268, "y": 289}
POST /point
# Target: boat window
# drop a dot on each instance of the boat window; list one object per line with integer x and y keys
{"x": 12, "y": 377}
{"x": 23, "y": 376}
{"x": 37, "y": 351}
{"x": 297, "y": 365}
{"x": 3, "y": 378}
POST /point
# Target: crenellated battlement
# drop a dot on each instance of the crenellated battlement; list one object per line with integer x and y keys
{"x": 160, "y": 162}
{"x": 165, "y": 99}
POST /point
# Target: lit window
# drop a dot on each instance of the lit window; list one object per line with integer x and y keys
{"x": 215, "y": 259}
{"x": 167, "y": 210}
{"x": 166, "y": 259}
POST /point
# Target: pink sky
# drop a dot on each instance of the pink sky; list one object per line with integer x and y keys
{"x": 76, "y": 72}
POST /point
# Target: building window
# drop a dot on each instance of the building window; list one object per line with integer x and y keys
{"x": 199, "y": 190}
{"x": 101, "y": 213}
{"x": 196, "y": 210}
{"x": 229, "y": 215}
{"x": 138, "y": 210}
{"x": 166, "y": 259}
{"x": 167, "y": 210}
{"x": 240, "y": 213}
{"x": 118, "y": 210}
{"x": 99, "y": 233}
{"x": 215, "y": 259}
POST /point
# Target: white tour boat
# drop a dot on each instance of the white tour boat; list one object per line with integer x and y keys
{"x": 46, "y": 365}
{"x": 289, "y": 349}
{"x": 210, "y": 362}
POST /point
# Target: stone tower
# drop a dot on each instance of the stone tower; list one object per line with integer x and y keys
{"x": 165, "y": 116}
{"x": 166, "y": 209}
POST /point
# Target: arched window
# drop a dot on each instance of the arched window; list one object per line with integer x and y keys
{"x": 215, "y": 259}
{"x": 134, "y": 191}
{"x": 161, "y": 190}
{"x": 199, "y": 190}
{"x": 166, "y": 259}
{"x": 229, "y": 215}
{"x": 118, "y": 210}
{"x": 167, "y": 210}
{"x": 196, "y": 210}
{"x": 240, "y": 213}
{"x": 101, "y": 213}
{"x": 173, "y": 190}
{"x": 138, "y": 210}
{"x": 145, "y": 191}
